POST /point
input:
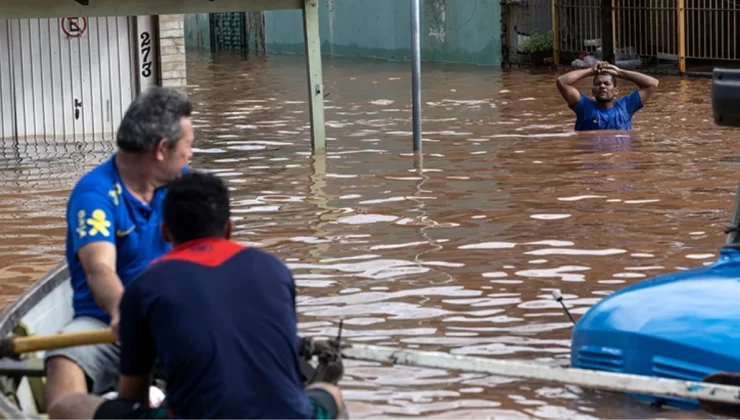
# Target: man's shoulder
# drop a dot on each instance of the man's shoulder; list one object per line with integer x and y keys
{"x": 151, "y": 270}
{"x": 585, "y": 103}
{"x": 587, "y": 100}
{"x": 262, "y": 263}
{"x": 632, "y": 96}
{"x": 216, "y": 254}
{"x": 245, "y": 257}
{"x": 630, "y": 103}
{"x": 99, "y": 179}
{"x": 149, "y": 279}
{"x": 261, "y": 255}
{"x": 229, "y": 255}
{"x": 202, "y": 252}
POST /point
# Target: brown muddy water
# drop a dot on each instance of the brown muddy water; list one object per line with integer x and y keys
{"x": 460, "y": 255}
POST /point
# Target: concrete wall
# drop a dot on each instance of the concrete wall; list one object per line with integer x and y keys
{"x": 465, "y": 31}
{"x": 172, "y": 52}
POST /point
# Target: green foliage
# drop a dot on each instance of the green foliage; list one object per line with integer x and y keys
{"x": 537, "y": 43}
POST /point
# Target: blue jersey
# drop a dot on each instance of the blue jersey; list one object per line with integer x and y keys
{"x": 619, "y": 117}
{"x": 221, "y": 320}
{"x": 100, "y": 208}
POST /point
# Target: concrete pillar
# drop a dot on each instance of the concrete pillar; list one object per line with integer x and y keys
{"x": 315, "y": 76}
{"x": 172, "y": 66}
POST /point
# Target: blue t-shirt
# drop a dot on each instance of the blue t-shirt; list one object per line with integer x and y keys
{"x": 619, "y": 117}
{"x": 100, "y": 208}
{"x": 221, "y": 320}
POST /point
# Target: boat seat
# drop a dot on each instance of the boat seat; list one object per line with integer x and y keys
{"x": 19, "y": 368}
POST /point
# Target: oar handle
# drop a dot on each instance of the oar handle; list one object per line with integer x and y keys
{"x": 19, "y": 345}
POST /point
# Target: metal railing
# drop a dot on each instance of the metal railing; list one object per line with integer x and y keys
{"x": 646, "y": 28}
{"x": 520, "y": 19}
{"x": 712, "y": 29}
{"x": 654, "y": 31}
{"x": 576, "y": 28}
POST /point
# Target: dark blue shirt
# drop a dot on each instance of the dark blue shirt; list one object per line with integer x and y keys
{"x": 221, "y": 319}
{"x": 100, "y": 208}
{"x": 619, "y": 117}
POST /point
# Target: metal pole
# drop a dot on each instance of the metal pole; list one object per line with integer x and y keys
{"x": 416, "y": 72}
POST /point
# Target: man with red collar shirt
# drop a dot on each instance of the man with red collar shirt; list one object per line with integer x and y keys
{"x": 221, "y": 319}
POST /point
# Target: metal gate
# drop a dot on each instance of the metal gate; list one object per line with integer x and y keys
{"x": 67, "y": 77}
{"x": 7, "y": 111}
{"x": 228, "y": 31}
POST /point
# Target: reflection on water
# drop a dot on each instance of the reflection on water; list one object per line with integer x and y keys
{"x": 459, "y": 255}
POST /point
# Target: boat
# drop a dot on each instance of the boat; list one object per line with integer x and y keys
{"x": 683, "y": 325}
{"x": 42, "y": 309}
{"x": 46, "y": 306}
{"x": 680, "y": 325}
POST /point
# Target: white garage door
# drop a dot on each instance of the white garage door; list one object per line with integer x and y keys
{"x": 66, "y": 77}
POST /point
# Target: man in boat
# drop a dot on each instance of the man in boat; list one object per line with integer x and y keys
{"x": 604, "y": 111}
{"x": 221, "y": 318}
{"x": 113, "y": 217}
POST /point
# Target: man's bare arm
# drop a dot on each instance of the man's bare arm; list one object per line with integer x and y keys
{"x": 98, "y": 259}
{"x": 565, "y": 84}
{"x": 646, "y": 84}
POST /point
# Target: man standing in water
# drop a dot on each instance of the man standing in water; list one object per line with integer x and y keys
{"x": 113, "y": 218}
{"x": 605, "y": 112}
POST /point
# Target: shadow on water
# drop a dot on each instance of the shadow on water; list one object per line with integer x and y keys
{"x": 459, "y": 255}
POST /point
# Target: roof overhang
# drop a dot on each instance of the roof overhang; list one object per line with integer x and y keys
{"x": 21, "y": 9}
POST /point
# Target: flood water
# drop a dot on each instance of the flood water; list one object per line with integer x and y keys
{"x": 460, "y": 255}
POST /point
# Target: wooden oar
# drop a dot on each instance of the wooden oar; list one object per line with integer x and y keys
{"x": 620, "y": 382}
{"x": 14, "y": 346}
{"x": 718, "y": 399}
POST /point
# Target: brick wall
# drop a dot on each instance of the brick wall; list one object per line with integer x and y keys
{"x": 172, "y": 52}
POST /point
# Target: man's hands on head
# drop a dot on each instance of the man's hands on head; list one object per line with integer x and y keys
{"x": 604, "y": 66}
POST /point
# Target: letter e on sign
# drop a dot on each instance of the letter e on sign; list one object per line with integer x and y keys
{"x": 74, "y": 27}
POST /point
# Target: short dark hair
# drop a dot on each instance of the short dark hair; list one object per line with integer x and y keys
{"x": 196, "y": 206}
{"x": 154, "y": 115}
{"x": 614, "y": 78}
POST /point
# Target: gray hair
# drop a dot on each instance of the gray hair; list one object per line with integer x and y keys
{"x": 152, "y": 116}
